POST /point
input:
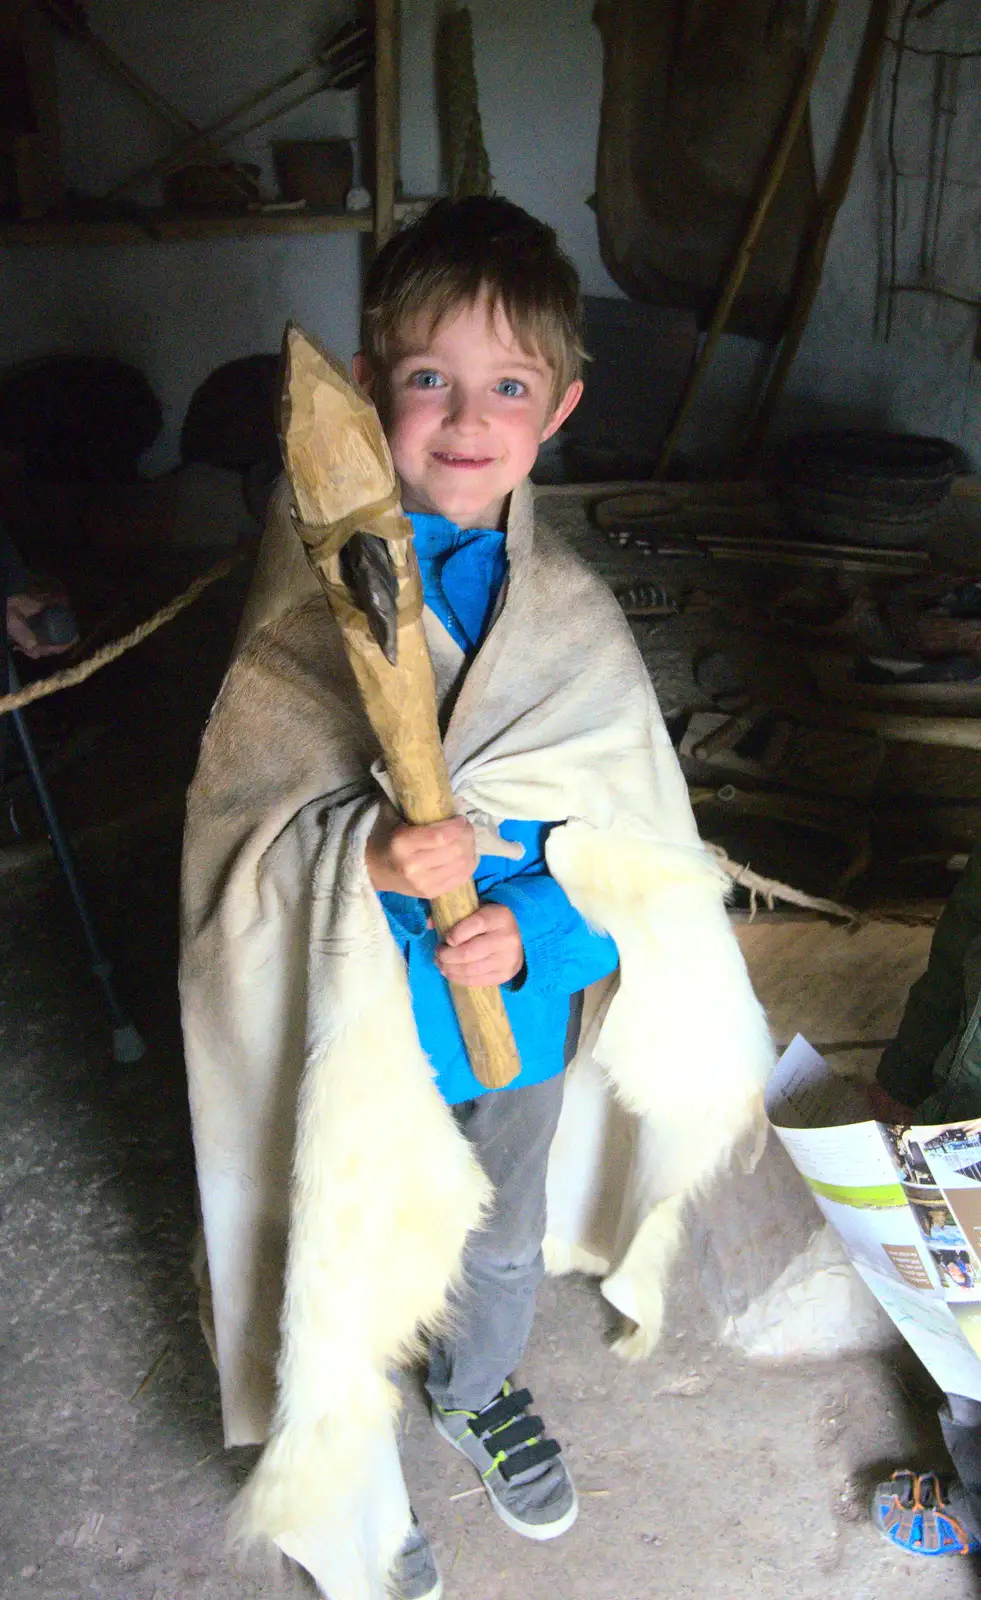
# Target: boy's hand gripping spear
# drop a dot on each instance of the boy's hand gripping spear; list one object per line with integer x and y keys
{"x": 360, "y": 546}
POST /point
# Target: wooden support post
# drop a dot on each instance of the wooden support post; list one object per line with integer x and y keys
{"x": 387, "y": 115}
{"x": 744, "y": 255}
{"x": 835, "y": 190}
{"x": 30, "y": 150}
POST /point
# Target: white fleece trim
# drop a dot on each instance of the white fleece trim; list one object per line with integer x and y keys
{"x": 664, "y": 905}
{"x": 385, "y": 1190}
{"x": 706, "y": 1045}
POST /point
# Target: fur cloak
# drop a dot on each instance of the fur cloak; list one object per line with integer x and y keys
{"x": 336, "y": 1190}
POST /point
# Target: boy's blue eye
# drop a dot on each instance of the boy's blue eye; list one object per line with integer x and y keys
{"x": 426, "y": 379}
{"x": 511, "y": 388}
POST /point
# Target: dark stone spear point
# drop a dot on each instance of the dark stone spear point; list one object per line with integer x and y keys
{"x": 367, "y": 569}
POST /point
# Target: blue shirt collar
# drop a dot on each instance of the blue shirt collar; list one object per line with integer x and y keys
{"x": 462, "y": 570}
{"x": 436, "y": 535}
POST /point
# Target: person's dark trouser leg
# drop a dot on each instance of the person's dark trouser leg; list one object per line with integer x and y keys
{"x": 511, "y": 1132}
{"x": 960, "y": 1421}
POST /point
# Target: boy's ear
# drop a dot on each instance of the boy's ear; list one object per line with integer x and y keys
{"x": 563, "y": 410}
{"x": 360, "y": 370}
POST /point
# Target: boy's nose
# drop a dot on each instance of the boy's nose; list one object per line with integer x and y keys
{"x": 466, "y": 411}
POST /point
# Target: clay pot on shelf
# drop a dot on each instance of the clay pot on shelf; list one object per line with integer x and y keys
{"x": 318, "y": 171}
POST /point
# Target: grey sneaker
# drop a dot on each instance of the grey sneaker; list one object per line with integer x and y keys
{"x": 415, "y": 1575}
{"x": 521, "y": 1469}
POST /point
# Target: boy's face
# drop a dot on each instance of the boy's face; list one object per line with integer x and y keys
{"x": 465, "y": 410}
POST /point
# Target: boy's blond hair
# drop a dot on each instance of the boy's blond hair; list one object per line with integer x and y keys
{"x": 460, "y": 249}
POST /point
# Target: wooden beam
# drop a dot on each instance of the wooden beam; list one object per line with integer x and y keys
{"x": 955, "y": 733}
{"x": 387, "y": 113}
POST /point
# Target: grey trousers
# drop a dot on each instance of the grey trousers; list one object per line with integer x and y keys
{"x": 960, "y": 1422}
{"x": 511, "y": 1132}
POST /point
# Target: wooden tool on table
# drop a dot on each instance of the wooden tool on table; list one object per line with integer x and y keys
{"x": 359, "y": 544}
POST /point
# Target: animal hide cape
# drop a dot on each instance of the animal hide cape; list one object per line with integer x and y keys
{"x": 336, "y": 1190}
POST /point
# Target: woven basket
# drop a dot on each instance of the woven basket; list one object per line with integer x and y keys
{"x": 318, "y": 171}
{"x": 867, "y": 488}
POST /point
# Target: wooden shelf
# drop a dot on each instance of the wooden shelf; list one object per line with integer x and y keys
{"x": 169, "y": 226}
{"x": 381, "y": 175}
{"x": 172, "y": 226}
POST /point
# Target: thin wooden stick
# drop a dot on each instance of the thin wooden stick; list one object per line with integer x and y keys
{"x": 744, "y": 255}
{"x": 72, "y": 20}
{"x": 905, "y": 21}
{"x": 835, "y": 190}
{"x": 956, "y": 733}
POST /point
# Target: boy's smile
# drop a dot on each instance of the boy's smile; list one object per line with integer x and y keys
{"x": 465, "y": 409}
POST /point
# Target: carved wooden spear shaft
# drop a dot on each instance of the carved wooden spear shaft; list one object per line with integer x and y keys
{"x": 360, "y": 546}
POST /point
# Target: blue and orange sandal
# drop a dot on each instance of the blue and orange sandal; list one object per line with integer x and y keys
{"x": 911, "y": 1511}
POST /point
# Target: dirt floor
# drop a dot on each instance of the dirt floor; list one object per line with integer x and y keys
{"x": 700, "y": 1476}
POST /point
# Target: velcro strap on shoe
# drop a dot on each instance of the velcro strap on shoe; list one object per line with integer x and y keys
{"x": 534, "y": 1456}
{"x": 524, "y": 1431}
{"x": 905, "y": 1487}
{"x": 507, "y": 1409}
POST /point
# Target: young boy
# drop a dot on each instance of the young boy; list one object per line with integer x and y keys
{"x": 465, "y": 409}
{"x": 318, "y": 1020}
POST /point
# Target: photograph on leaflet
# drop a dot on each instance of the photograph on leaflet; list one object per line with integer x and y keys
{"x": 907, "y": 1154}
{"x": 954, "y": 1155}
{"x": 955, "y": 1267}
{"x": 965, "y": 1203}
{"x": 937, "y": 1222}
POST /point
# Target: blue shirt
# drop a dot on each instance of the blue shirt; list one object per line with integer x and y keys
{"x": 462, "y": 573}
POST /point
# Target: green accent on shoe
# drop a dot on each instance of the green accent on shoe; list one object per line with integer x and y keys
{"x": 519, "y": 1466}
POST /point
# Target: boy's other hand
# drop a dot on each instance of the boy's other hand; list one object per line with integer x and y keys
{"x": 884, "y": 1108}
{"x": 20, "y": 609}
{"x": 422, "y": 862}
{"x": 482, "y": 950}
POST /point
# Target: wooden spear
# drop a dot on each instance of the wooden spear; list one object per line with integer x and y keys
{"x": 360, "y": 546}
